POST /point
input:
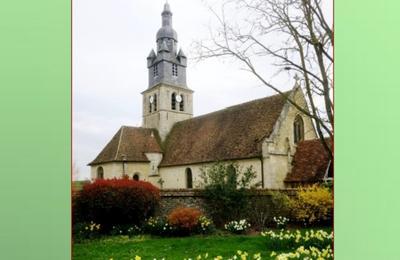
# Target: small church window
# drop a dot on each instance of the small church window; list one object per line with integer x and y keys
{"x": 173, "y": 101}
{"x": 189, "y": 178}
{"x": 298, "y": 129}
{"x": 155, "y": 102}
{"x": 100, "y": 173}
{"x": 155, "y": 70}
{"x": 150, "y": 105}
{"x": 174, "y": 70}
{"x": 181, "y": 104}
{"x": 136, "y": 177}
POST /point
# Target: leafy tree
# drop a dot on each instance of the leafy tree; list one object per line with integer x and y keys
{"x": 227, "y": 188}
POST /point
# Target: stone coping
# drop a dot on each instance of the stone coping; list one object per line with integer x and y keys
{"x": 197, "y": 192}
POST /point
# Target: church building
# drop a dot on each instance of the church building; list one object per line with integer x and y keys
{"x": 172, "y": 146}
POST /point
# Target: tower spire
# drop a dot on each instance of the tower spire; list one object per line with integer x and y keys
{"x": 166, "y": 30}
{"x": 166, "y": 15}
{"x": 167, "y": 99}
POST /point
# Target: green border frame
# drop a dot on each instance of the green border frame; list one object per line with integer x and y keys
{"x": 367, "y": 124}
{"x": 35, "y": 137}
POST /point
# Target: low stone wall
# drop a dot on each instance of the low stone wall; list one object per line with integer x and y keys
{"x": 173, "y": 198}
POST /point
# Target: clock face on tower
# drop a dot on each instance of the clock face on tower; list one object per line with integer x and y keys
{"x": 178, "y": 98}
{"x": 151, "y": 99}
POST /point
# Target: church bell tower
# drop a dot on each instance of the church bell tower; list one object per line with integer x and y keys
{"x": 167, "y": 99}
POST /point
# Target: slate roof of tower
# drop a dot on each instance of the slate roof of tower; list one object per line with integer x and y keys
{"x": 131, "y": 143}
{"x": 236, "y": 132}
{"x": 310, "y": 162}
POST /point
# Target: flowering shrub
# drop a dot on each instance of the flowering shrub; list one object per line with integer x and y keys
{"x": 280, "y": 221}
{"x": 306, "y": 254}
{"x": 184, "y": 220}
{"x": 158, "y": 226}
{"x": 86, "y": 231}
{"x": 205, "y": 225}
{"x": 237, "y": 227}
{"x": 117, "y": 201}
{"x": 292, "y": 239}
{"x": 179, "y": 223}
{"x": 129, "y": 230}
{"x": 312, "y": 204}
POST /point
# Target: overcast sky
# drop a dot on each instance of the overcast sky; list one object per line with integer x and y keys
{"x": 111, "y": 40}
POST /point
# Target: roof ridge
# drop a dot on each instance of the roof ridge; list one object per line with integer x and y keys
{"x": 139, "y": 128}
{"x": 258, "y": 99}
{"x": 128, "y": 126}
{"x": 119, "y": 142}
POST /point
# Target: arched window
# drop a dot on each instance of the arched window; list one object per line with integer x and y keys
{"x": 298, "y": 129}
{"x": 155, "y": 102}
{"x": 189, "y": 178}
{"x": 173, "y": 101}
{"x": 136, "y": 176}
{"x": 181, "y": 104}
{"x": 100, "y": 173}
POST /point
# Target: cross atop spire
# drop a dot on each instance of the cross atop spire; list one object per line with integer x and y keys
{"x": 166, "y": 7}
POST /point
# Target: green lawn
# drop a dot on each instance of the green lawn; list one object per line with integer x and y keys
{"x": 169, "y": 248}
{"x": 119, "y": 248}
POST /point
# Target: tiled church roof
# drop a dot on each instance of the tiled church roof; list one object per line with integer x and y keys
{"x": 310, "y": 162}
{"x": 131, "y": 143}
{"x": 232, "y": 133}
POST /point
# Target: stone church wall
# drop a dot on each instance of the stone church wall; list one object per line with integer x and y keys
{"x": 174, "y": 177}
{"x": 115, "y": 170}
{"x": 279, "y": 148}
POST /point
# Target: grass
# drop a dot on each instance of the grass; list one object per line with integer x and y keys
{"x": 147, "y": 247}
{"x": 169, "y": 248}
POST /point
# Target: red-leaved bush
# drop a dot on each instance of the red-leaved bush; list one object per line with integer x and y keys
{"x": 184, "y": 219}
{"x": 116, "y": 201}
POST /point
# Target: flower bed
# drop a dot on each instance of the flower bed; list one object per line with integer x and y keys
{"x": 306, "y": 254}
{"x": 238, "y": 227}
{"x": 221, "y": 246}
{"x": 180, "y": 222}
{"x": 292, "y": 239}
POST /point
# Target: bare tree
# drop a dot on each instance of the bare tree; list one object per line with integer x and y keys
{"x": 294, "y": 36}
